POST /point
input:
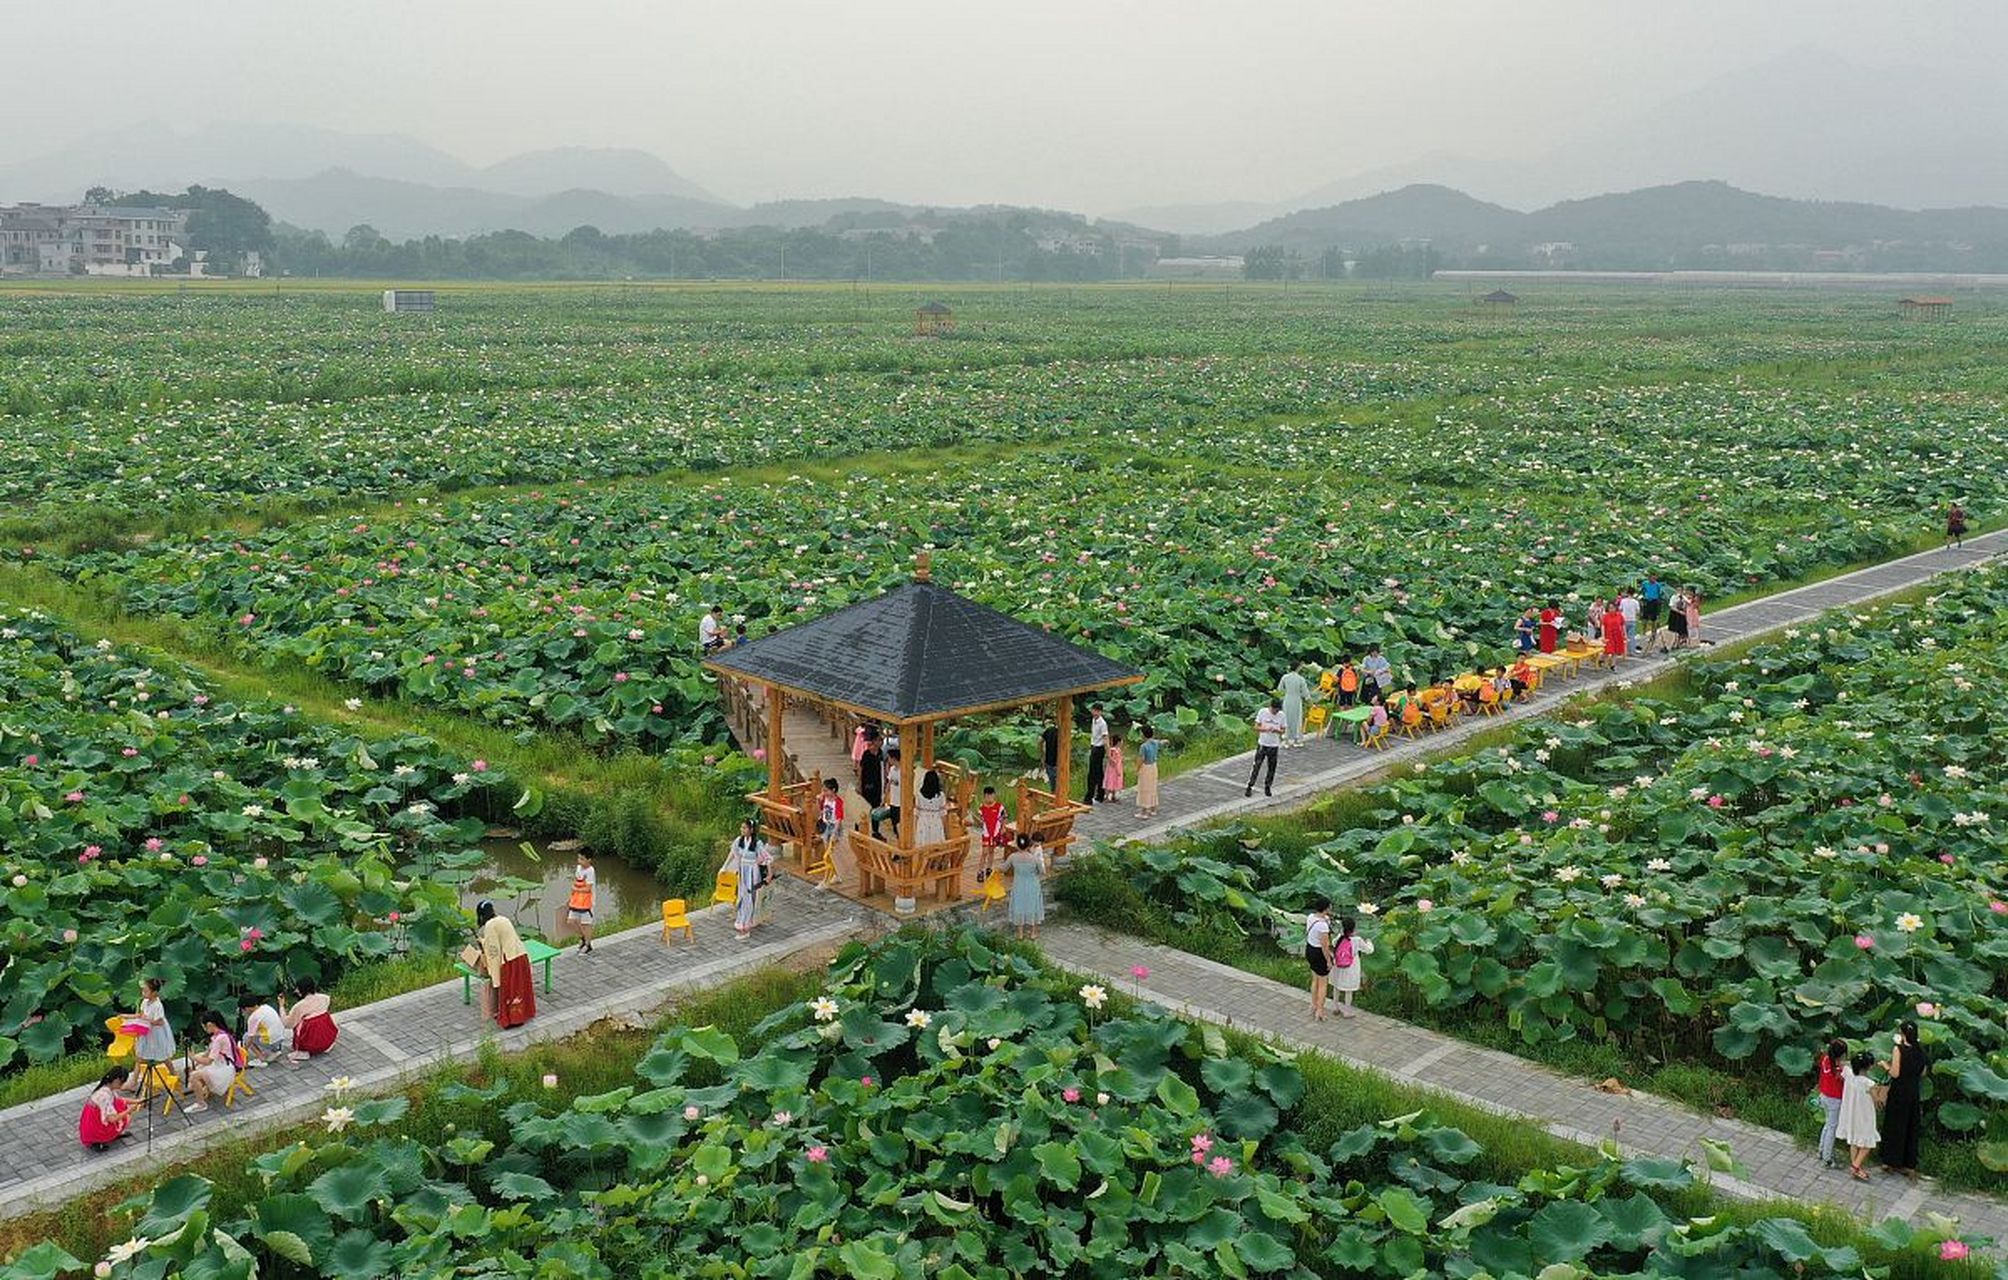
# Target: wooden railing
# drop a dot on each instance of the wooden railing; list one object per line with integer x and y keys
{"x": 885, "y": 867}
{"x": 1048, "y": 817}
{"x": 791, "y": 816}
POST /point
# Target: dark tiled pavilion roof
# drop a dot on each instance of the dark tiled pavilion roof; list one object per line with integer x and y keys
{"x": 921, "y": 652}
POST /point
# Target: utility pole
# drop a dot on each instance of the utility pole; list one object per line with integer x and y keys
{"x": 784, "y": 259}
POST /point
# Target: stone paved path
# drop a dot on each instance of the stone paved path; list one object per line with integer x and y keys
{"x": 1214, "y": 792}
{"x": 1642, "y": 1125}
{"x": 42, "y": 1163}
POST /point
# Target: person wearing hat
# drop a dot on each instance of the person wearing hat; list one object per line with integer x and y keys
{"x": 510, "y": 994}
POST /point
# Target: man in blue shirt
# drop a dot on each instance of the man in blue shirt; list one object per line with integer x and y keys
{"x": 1651, "y": 604}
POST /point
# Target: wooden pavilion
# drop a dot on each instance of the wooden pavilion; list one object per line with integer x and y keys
{"x": 1926, "y": 308}
{"x": 932, "y": 319}
{"x": 909, "y": 660}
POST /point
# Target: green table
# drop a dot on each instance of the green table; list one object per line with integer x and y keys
{"x": 540, "y": 953}
{"x": 1354, "y": 715}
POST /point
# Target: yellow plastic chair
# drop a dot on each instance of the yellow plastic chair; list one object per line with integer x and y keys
{"x": 1377, "y": 741}
{"x": 1488, "y": 700}
{"x": 1315, "y": 719}
{"x": 238, "y": 1084}
{"x": 1411, "y": 719}
{"x": 676, "y": 915}
{"x": 726, "y": 889}
{"x": 821, "y": 863}
{"x": 122, "y": 1043}
{"x": 157, "y": 1079}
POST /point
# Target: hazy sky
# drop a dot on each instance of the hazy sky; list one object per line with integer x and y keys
{"x": 1088, "y": 104}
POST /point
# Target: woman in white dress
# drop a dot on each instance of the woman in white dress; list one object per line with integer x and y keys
{"x": 1347, "y": 953}
{"x": 749, "y": 859}
{"x": 930, "y": 808}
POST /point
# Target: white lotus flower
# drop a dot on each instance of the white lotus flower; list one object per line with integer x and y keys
{"x": 126, "y": 1252}
{"x": 824, "y": 1008}
{"x": 1659, "y": 864}
{"x": 918, "y": 1018}
{"x": 338, "y": 1118}
{"x": 1910, "y": 922}
{"x": 1093, "y": 996}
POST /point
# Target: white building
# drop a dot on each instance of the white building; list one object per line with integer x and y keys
{"x": 1222, "y": 268}
{"x": 88, "y": 239}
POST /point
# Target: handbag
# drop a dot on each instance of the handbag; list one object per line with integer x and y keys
{"x": 1879, "y": 1094}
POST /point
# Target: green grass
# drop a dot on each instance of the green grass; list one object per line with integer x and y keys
{"x": 45, "y": 1078}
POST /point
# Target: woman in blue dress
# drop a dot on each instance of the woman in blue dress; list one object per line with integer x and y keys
{"x": 1028, "y": 898}
{"x": 748, "y": 859}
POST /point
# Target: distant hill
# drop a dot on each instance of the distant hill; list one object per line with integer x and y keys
{"x": 617, "y": 171}
{"x": 1679, "y": 224}
{"x": 337, "y": 199}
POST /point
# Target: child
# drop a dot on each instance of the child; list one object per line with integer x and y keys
{"x": 1521, "y": 674}
{"x": 264, "y": 1033}
{"x": 105, "y": 1114}
{"x": 215, "y": 1068}
{"x": 1376, "y": 724}
{"x": 1524, "y": 629}
{"x": 1112, "y": 768}
{"x": 1349, "y": 683}
{"x": 995, "y": 834}
{"x": 1857, "y": 1125}
{"x": 585, "y": 891}
{"x": 1346, "y": 955}
{"x": 830, "y": 821}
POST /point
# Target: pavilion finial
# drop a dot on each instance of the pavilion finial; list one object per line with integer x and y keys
{"x": 923, "y": 567}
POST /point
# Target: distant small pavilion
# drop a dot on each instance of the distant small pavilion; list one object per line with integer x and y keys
{"x": 1935, "y": 307}
{"x": 911, "y": 659}
{"x": 932, "y": 319}
{"x": 1500, "y": 298}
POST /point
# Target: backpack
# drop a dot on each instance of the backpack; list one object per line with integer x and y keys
{"x": 1342, "y": 954}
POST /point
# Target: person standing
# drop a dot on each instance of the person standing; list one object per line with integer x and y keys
{"x": 871, "y": 776}
{"x": 1651, "y": 605}
{"x": 1349, "y": 683}
{"x": 1693, "y": 614}
{"x": 1833, "y": 1063}
{"x": 1112, "y": 769}
{"x": 585, "y": 892}
{"x": 1318, "y": 954}
{"x": 1346, "y": 954}
{"x": 1269, "y": 727}
{"x": 829, "y": 825}
{"x": 1615, "y": 645}
{"x": 890, "y": 810}
{"x": 1378, "y": 671}
{"x": 1955, "y": 525}
{"x": 711, "y": 630}
{"x": 1296, "y": 697}
{"x": 1098, "y": 754}
{"x": 1524, "y": 629}
{"x": 1676, "y": 620}
{"x": 1550, "y": 632}
{"x": 995, "y": 832}
{"x": 1628, "y": 607}
{"x": 510, "y": 994}
{"x": 1146, "y": 773}
{"x": 1857, "y": 1125}
{"x": 747, "y": 859}
{"x": 1049, "y": 756}
{"x": 1903, "y": 1110}
{"x": 1027, "y": 907}
{"x": 156, "y": 1044}
{"x": 930, "y": 810}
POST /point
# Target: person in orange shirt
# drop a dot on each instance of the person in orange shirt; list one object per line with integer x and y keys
{"x": 1349, "y": 683}
{"x": 585, "y": 891}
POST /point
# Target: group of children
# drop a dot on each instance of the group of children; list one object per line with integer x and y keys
{"x": 272, "y": 1031}
{"x": 1371, "y": 683}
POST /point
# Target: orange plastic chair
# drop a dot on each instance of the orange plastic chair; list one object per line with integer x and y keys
{"x": 676, "y": 915}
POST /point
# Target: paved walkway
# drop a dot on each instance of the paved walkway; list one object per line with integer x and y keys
{"x": 1214, "y": 792}
{"x": 1641, "y": 1125}
{"x": 384, "y": 1044}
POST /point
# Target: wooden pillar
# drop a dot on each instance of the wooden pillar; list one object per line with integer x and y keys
{"x": 927, "y": 745}
{"x": 776, "y": 700}
{"x": 908, "y": 758}
{"x": 1063, "y": 713}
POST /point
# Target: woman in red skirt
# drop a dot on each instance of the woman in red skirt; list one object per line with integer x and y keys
{"x": 511, "y": 994}
{"x": 1616, "y": 643}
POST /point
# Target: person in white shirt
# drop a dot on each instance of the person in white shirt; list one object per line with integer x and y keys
{"x": 1098, "y": 755}
{"x": 1269, "y": 725}
{"x": 711, "y": 629}
{"x": 1318, "y": 954}
{"x": 1628, "y": 606}
{"x": 264, "y": 1032}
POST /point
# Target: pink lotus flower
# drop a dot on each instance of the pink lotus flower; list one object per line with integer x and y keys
{"x": 1071, "y": 1094}
{"x": 479, "y": 766}
{"x": 395, "y": 916}
{"x": 201, "y": 699}
{"x": 866, "y": 1081}
{"x": 92, "y": 851}
{"x": 261, "y": 863}
{"x": 1424, "y": 904}
{"x": 1220, "y": 1166}
{"x": 620, "y": 677}
{"x": 550, "y": 1081}
{"x": 1998, "y": 907}
{"x": 759, "y": 753}
{"x": 247, "y": 619}
{"x": 656, "y": 709}
{"x": 691, "y": 1113}
{"x": 75, "y": 797}
{"x": 129, "y": 752}
{"x": 1202, "y": 1142}
{"x": 246, "y": 944}
{"x": 1549, "y": 815}
{"x": 1715, "y": 802}
{"x": 1864, "y": 941}
{"x": 1926, "y": 1009}
{"x": 1947, "y": 859}
{"x": 69, "y": 935}
{"x": 199, "y": 860}
{"x": 818, "y": 1155}
{"x": 181, "y": 799}
{"x": 31, "y": 761}
{"x": 1953, "y": 1250}
{"x": 1139, "y": 972}
{"x": 153, "y": 844}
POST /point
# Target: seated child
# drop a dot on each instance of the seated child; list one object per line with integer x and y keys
{"x": 105, "y": 1114}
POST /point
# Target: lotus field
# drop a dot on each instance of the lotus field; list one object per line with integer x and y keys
{"x": 149, "y": 827}
{"x": 940, "y": 1109}
{"x": 1808, "y": 846}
